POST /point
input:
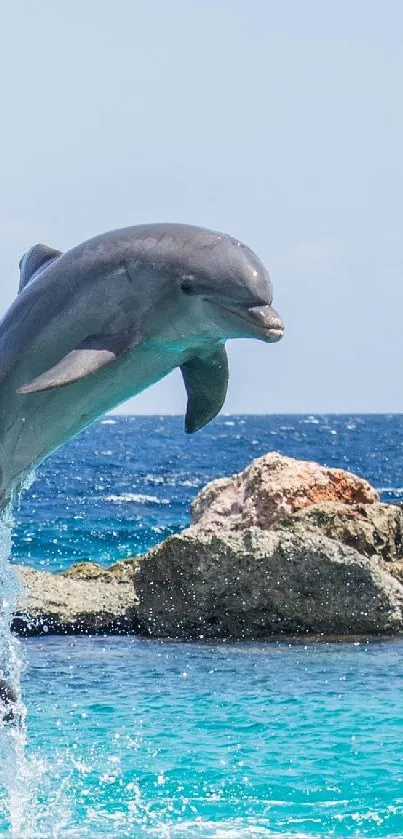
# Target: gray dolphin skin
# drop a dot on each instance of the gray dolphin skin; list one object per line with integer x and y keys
{"x": 96, "y": 325}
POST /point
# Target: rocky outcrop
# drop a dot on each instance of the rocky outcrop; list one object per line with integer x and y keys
{"x": 285, "y": 547}
{"x": 258, "y": 584}
{"x": 371, "y": 529}
{"x": 84, "y": 599}
{"x": 273, "y": 487}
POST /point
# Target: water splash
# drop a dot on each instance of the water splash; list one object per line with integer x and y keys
{"x": 15, "y": 787}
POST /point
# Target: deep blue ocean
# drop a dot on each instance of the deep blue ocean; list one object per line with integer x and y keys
{"x": 134, "y": 738}
{"x": 127, "y": 482}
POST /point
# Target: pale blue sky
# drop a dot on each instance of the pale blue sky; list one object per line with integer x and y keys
{"x": 279, "y": 121}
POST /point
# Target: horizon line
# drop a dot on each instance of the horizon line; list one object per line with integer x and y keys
{"x": 115, "y": 413}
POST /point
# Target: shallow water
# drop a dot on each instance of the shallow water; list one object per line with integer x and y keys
{"x": 132, "y": 738}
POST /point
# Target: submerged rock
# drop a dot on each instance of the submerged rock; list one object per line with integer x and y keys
{"x": 272, "y": 487}
{"x": 257, "y": 584}
{"x": 84, "y": 599}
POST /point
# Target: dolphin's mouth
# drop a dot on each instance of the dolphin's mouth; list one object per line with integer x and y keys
{"x": 263, "y": 321}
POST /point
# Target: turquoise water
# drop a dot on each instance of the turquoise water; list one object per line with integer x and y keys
{"x": 132, "y": 738}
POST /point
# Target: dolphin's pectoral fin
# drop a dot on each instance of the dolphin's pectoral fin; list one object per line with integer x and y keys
{"x": 93, "y": 355}
{"x": 33, "y": 260}
{"x": 206, "y": 382}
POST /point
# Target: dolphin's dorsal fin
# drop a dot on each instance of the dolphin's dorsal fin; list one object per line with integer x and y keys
{"x": 206, "y": 382}
{"x": 37, "y": 257}
{"x": 91, "y": 356}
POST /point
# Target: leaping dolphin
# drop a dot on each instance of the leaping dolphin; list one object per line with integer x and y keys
{"x": 96, "y": 325}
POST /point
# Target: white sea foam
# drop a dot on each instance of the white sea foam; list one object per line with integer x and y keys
{"x": 237, "y": 829}
{"x": 390, "y": 490}
{"x": 136, "y": 498}
{"x": 171, "y": 480}
{"x": 13, "y": 765}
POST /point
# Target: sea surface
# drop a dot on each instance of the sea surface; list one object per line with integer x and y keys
{"x": 127, "y": 483}
{"x": 135, "y": 738}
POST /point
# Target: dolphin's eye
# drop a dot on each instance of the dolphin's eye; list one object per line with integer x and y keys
{"x": 188, "y": 284}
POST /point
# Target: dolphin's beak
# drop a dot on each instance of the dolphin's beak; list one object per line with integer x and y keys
{"x": 263, "y": 321}
{"x": 267, "y": 321}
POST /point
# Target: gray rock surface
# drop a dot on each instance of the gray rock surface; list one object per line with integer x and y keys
{"x": 85, "y": 599}
{"x": 369, "y": 528}
{"x": 258, "y": 584}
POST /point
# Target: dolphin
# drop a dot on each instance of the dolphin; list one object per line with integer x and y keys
{"x": 97, "y": 324}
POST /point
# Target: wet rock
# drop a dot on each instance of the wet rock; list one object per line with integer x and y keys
{"x": 272, "y": 487}
{"x": 259, "y": 584}
{"x": 84, "y": 599}
{"x": 369, "y": 528}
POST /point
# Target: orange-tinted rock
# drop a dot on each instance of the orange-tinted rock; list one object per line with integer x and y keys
{"x": 272, "y": 487}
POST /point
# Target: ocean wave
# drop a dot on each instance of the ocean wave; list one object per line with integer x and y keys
{"x": 136, "y": 498}
{"x": 390, "y": 490}
{"x": 177, "y": 480}
{"x": 237, "y": 829}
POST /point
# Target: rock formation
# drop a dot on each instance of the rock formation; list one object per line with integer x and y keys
{"x": 273, "y": 486}
{"x": 285, "y": 547}
{"x": 84, "y": 599}
{"x": 257, "y": 584}
{"x": 372, "y": 529}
